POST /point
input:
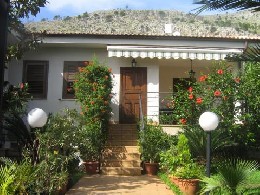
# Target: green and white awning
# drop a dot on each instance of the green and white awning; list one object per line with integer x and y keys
{"x": 171, "y": 52}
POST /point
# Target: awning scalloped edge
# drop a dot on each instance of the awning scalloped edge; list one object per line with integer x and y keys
{"x": 170, "y": 52}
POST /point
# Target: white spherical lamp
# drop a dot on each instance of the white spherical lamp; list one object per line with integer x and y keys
{"x": 208, "y": 121}
{"x": 37, "y": 118}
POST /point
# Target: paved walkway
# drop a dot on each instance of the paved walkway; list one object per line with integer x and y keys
{"x": 119, "y": 185}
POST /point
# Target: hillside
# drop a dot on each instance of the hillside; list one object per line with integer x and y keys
{"x": 152, "y": 22}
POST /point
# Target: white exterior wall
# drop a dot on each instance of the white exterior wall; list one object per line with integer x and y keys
{"x": 56, "y": 57}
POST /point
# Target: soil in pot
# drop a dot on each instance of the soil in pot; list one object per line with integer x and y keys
{"x": 151, "y": 168}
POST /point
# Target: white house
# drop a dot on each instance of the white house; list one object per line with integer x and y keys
{"x": 160, "y": 58}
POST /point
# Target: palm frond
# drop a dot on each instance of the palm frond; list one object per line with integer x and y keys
{"x": 251, "y": 54}
{"x": 253, "y": 5}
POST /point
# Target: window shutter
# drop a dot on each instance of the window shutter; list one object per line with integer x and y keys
{"x": 35, "y": 74}
{"x": 70, "y": 70}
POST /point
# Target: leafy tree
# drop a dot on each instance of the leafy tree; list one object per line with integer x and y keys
{"x": 23, "y": 9}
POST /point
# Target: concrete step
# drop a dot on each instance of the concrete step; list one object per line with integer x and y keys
{"x": 120, "y": 163}
{"x": 124, "y": 149}
{"x": 112, "y": 137}
{"x": 121, "y": 155}
{"x": 123, "y": 126}
{"x": 122, "y": 143}
{"x": 129, "y": 171}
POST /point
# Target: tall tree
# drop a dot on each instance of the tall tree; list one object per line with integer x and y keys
{"x": 11, "y": 13}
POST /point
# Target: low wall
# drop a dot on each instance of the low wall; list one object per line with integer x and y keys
{"x": 171, "y": 129}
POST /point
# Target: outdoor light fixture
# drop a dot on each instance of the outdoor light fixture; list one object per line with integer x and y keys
{"x": 191, "y": 73}
{"x": 208, "y": 122}
{"x": 134, "y": 63}
{"x": 37, "y": 118}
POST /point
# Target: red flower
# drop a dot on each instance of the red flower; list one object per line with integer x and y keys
{"x": 92, "y": 102}
{"x": 190, "y": 89}
{"x": 237, "y": 80}
{"x": 217, "y": 93}
{"x": 203, "y": 78}
{"x": 183, "y": 121}
{"x": 21, "y": 85}
{"x": 199, "y": 100}
{"x": 191, "y": 96}
{"x": 220, "y": 71}
{"x": 110, "y": 70}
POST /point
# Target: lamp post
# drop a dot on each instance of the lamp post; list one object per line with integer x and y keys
{"x": 36, "y": 118}
{"x": 208, "y": 122}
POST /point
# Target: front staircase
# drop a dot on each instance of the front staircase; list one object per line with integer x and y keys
{"x": 121, "y": 155}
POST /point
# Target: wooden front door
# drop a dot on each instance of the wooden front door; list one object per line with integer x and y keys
{"x": 133, "y": 84}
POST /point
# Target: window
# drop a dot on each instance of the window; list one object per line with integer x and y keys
{"x": 35, "y": 73}
{"x": 70, "y": 69}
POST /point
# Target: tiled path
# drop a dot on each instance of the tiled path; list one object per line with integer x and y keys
{"x": 119, "y": 185}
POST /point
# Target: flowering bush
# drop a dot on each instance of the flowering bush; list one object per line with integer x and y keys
{"x": 93, "y": 86}
{"x": 234, "y": 98}
{"x": 215, "y": 91}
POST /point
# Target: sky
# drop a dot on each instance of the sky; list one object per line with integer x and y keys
{"x": 77, "y": 7}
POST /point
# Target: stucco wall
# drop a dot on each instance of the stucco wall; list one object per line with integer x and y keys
{"x": 57, "y": 56}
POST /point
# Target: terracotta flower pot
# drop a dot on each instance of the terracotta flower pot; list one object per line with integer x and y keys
{"x": 151, "y": 168}
{"x": 91, "y": 167}
{"x": 188, "y": 186}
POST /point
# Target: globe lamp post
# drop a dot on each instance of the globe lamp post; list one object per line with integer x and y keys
{"x": 208, "y": 122}
{"x": 36, "y": 118}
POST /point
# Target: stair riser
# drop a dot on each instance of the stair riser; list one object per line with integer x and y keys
{"x": 122, "y": 137}
{"x": 121, "y": 164}
{"x": 121, "y": 171}
{"x": 122, "y": 149}
{"x": 120, "y": 156}
{"x": 122, "y": 143}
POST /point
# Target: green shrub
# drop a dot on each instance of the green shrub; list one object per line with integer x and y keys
{"x": 152, "y": 141}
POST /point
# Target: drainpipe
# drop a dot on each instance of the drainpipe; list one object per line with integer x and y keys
{"x": 4, "y": 7}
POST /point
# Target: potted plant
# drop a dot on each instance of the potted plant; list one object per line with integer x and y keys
{"x": 91, "y": 146}
{"x": 183, "y": 171}
{"x": 152, "y": 141}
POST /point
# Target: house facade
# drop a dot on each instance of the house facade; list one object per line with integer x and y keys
{"x": 160, "y": 60}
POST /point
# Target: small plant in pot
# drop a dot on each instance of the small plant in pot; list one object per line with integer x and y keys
{"x": 152, "y": 141}
{"x": 91, "y": 146}
{"x": 183, "y": 171}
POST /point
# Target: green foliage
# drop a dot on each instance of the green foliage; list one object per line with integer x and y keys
{"x": 178, "y": 162}
{"x": 93, "y": 87}
{"x": 23, "y": 9}
{"x": 15, "y": 178}
{"x": 164, "y": 177}
{"x": 93, "y": 90}
{"x": 218, "y": 92}
{"x": 93, "y": 141}
{"x": 15, "y": 99}
{"x": 153, "y": 141}
{"x": 197, "y": 140}
{"x": 234, "y": 176}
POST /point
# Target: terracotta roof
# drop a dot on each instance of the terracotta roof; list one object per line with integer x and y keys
{"x": 241, "y": 25}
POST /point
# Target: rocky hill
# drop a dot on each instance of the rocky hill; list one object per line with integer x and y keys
{"x": 152, "y": 22}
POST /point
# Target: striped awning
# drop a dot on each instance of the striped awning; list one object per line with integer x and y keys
{"x": 171, "y": 52}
